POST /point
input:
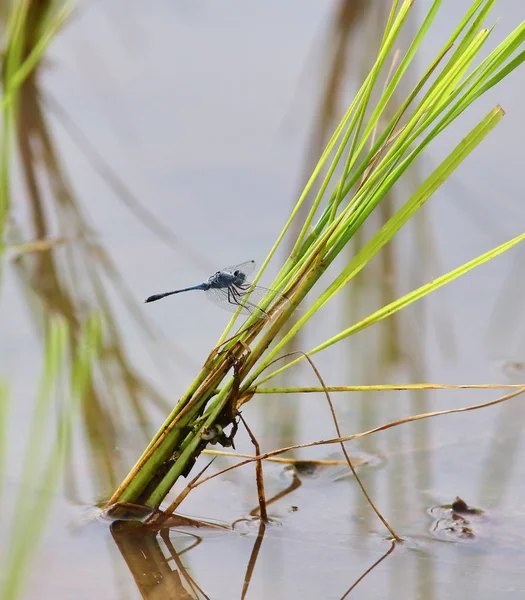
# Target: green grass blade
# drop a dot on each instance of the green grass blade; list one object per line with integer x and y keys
{"x": 404, "y": 301}
{"x": 386, "y": 233}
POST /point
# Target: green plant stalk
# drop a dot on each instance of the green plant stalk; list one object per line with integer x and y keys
{"x": 291, "y": 262}
{"x": 404, "y": 301}
{"x": 191, "y": 394}
{"x": 364, "y": 165}
{"x": 451, "y": 92}
{"x": 372, "y": 124}
{"x": 387, "y": 232}
{"x": 361, "y": 101}
{"x": 189, "y": 451}
{"x": 388, "y": 40}
{"x": 359, "y": 218}
{"x": 397, "y": 77}
{"x": 166, "y": 441}
{"x": 388, "y": 387}
{"x": 363, "y": 211}
{"x": 134, "y": 486}
{"x": 460, "y": 107}
{"x": 157, "y": 453}
{"x": 412, "y": 130}
{"x": 356, "y": 149}
{"x": 331, "y": 291}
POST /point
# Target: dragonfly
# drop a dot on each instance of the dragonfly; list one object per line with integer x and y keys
{"x": 228, "y": 289}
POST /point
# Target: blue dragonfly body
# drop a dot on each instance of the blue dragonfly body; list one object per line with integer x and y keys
{"x": 228, "y": 289}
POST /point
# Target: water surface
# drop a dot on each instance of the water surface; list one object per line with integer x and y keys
{"x": 209, "y": 116}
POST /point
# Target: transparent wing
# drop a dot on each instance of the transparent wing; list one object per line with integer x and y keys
{"x": 228, "y": 299}
{"x": 245, "y": 267}
{"x": 234, "y": 296}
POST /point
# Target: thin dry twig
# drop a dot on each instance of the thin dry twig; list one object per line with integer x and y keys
{"x": 356, "y": 436}
{"x": 354, "y": 472}
{"x": 347, "y": 457}
{"x": 284, "y": 461}
{"x": 392, "y": 387}
{"x": 294, "y": 485}
{"x": 258, "y": 473}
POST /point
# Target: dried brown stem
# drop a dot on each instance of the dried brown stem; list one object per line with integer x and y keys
{"x": 356, "y": 436}
{"x": 258, "y": 474}
{"x": 354, "y": 472}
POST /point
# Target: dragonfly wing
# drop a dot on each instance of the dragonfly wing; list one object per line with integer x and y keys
{"x": 258, "y": 293}
{"x": 234, "y": 297}
{"x": 245, "y": 267}
{"x": 229, "y": 301}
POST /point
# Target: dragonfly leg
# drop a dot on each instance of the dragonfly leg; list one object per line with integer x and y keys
{"x": 235, "y": 294}
{"x": 237, "y": 299}
{"x": 243, "y": 290}
{"x": 230, "y": 296}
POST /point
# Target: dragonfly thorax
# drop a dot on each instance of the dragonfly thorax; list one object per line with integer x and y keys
{"x": 240, "y": 277}
{"x": 224, "y": 279}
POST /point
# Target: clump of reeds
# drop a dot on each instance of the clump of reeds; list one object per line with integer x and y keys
{"x": 362, "y": 162}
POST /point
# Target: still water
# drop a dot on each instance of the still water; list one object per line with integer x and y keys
{"x": 182, "y": 133}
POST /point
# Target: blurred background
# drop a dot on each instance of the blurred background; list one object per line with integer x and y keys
{"x": 158, "y": 143}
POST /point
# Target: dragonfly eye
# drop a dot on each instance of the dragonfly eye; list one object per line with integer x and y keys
{"x": 236, "y": 273}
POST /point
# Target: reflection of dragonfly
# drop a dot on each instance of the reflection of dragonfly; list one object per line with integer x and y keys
{"x": 228, "y": 289}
